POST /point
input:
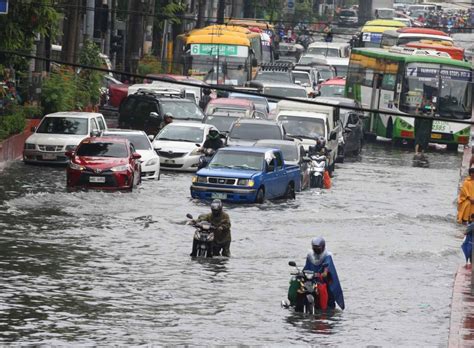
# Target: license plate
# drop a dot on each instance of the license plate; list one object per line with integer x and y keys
{"x": 97, "y": 179}
{"x": 49, "y": 156}
{"x": 219, "y": 195}
{"x": 169, "y": 161}
{"x": 435, "y": 136}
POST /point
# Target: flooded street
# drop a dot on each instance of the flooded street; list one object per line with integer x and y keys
{"x": 114, "y": 268}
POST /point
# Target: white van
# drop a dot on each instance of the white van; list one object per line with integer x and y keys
{"x": 329, "y": 49}
{"x": 61, "y": 132}
{"x": 307, "y": 122}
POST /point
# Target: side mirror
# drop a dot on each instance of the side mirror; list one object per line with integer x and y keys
{"x": 189, "y": 216}
{"x": 33, "y": 129}
{"x": 333, "y": 135}
{"x": 136, "y": 155}
{"x": 151, "y": 137}
{"x": 298, "y": 82}
{"x": 95, "y": 133}
{"x": 154, "y": 115}
{"x": 321, "y": 80}
{"x": 306, "y": 159}
{"x": 157, "y": 147}
{"x": 254, "y": 62}
{"x": 292, "y": 263}
{"x": 69, "y": 154}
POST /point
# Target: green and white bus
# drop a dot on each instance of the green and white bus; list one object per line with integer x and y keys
{"x": 399, "y": 78}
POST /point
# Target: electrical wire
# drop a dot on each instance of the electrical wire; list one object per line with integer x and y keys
{"x": 227, "y": 89}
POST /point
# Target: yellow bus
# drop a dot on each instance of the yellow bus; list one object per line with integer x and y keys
{"x": 218, "y": 59}
{"x": 372, "y": 31}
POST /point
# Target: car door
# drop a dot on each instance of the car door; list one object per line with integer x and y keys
{"x": 143, "y": 121}
{"x": 94, "y": 128}
{"x": 280, "y": 174}
{"x": 101, "y": 122}
{"x": 271, "y": 180}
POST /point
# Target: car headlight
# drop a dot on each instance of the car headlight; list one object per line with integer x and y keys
{"x": 120, "y": 168}
{"x": 75, "y": 166}
{"x": 195, "y": 152}
{"x": 70, "y": 147}
{"x": 29, "y": 146}
{"x": 200, "y": 179}
{"x": 151, "y": 162}
{"x": 246, "y": 182}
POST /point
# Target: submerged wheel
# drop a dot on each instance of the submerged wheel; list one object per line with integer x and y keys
{"x": 452, "y": 147}
{"x": 290, "y": 191}
{"x": 260, "y": 196}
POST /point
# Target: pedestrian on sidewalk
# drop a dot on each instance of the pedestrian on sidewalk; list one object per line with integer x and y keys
{"x": 467, "y": 242}
{"x": 466, "y": 199}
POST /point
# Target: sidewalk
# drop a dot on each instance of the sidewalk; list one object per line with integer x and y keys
{"x": 461, "y": 330}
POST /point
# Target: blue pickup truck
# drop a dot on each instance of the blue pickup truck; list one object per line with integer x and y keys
{"x": 246, "y": 175}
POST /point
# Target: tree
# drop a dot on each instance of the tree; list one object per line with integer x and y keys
{"x": 18, "y": 29}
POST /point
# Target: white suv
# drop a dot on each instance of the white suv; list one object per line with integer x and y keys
{"x": 60, "y": 132}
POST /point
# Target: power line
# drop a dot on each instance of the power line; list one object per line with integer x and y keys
{"x": 227, "y": 89}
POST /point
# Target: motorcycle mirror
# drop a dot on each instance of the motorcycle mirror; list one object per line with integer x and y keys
{"x": 306, "y": 159}
{"x": 198, "y": 145}
{"x": 292, "y": 263}
{"x": 189, "y": 216}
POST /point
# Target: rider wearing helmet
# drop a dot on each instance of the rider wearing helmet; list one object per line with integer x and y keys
{"x": 213, "y": 141}
{"x": 221, "y": 221}
{"x": 319, "y": 260}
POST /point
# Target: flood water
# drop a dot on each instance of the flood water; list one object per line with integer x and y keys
{"x": 114, "y": 268}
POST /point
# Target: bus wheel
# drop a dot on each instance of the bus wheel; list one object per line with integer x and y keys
{"x": 389, "y": 132}
{"x": 452, "y": 147}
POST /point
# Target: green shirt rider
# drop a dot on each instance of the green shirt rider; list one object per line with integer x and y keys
{"x": 221, "y": 221}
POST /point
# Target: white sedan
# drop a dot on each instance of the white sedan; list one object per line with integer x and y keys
{"x": 150, "y": 161}
{"x": 178, "y": 143}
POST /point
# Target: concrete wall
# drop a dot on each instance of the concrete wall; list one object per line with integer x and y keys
{"x": 12, "y": 148}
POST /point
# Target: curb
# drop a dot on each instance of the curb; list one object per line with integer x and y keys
{"x": 461, "y": 328}
{"x": 12, "y": 147}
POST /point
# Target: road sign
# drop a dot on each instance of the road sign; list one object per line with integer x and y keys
{"x": 290, "y": 6}
{"x": 3, "y": 6}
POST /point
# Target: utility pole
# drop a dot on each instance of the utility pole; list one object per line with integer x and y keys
{"x": 220, "y": 11}
{"x": 237, "y": 8}
{"x": 201, "y": 13}
{"x": 71, "y": 32}
{"x": 134, "y": 40}
{"x": 90, "y": 12}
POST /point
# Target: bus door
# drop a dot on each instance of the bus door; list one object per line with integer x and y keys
{"x": 375, "y": 97}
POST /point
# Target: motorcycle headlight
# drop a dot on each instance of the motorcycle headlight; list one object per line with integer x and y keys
{"x": 197, "y": 235}
{"x": 210, "y": 237}
{"x": 120, "y": 168}
{"x": 195, "y": 152}
{"x": 29, "y": 146}
{"x": 75, "y": 166}
{"x": 246, "y": 182}
{"x": 70, "y": 147}
{"x": 151, "y": 162}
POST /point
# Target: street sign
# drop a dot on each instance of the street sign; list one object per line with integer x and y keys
{"x": 3, "y": 6}
{"x": 290, "y": 5}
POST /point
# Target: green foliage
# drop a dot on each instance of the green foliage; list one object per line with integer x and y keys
{"x": 69, "y": 90}
{"x": 149, "y": 65}
{"x": 88, "y": 81}
{"x": 168, "y": 9}
{"x": 25, "y": 19}
{"x": 59, "y": 91}
{"x": 14, "y": 120}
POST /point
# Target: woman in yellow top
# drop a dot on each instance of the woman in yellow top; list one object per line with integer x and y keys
{"x": 466, "y": 199}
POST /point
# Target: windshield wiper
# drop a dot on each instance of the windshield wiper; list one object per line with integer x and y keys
{"x": 244, "y": 166}
{"x": 218, "y": 165}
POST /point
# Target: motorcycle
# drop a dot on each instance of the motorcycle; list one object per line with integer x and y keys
{"x": 317, "y": 167}
{"x": 203, "y": 238}
{"x": 307, "y": 292}
{"x": 206, "y": 157}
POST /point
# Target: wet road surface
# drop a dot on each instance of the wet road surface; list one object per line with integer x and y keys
{"x": 114, "y": 268}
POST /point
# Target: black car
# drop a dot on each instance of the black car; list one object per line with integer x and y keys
{"x": 145, "y": 111}
{"x": 352, "y": 124}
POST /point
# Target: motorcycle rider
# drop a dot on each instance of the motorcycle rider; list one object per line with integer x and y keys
{"x": 222, "y": 236}
{"x": 319, "y": 260}
{"x": 213, "y": 141}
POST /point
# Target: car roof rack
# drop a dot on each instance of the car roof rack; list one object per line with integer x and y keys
{"x": 282, "y": 67}
{"x": 162, "y": 92}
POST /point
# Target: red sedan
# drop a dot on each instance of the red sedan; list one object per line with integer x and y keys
{"x": 103, "y": 163}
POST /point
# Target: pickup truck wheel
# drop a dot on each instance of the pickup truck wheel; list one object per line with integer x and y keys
{"x": 260, "y": 196}
{"x": 290, "y": 192}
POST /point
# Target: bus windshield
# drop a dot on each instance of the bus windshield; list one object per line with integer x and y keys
{"x": 219, "y": 70}
{"x": 447, "y": 87}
